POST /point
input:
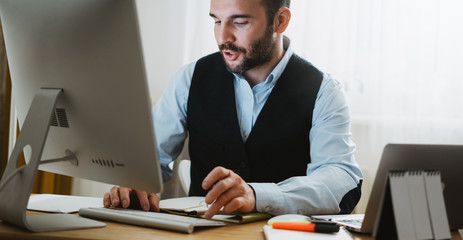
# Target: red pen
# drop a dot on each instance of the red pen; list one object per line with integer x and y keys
{"x": 307, "y": 226}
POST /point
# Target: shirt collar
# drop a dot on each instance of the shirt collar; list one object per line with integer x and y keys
{"x": 280, "y": 67}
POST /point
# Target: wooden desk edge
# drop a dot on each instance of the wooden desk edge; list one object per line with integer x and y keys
{"x": 123, "y": 231}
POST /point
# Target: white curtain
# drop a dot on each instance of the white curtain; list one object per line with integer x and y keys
{"x": 401, "y": 63}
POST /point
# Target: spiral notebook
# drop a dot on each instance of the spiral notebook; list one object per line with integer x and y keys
{"x": 196, "y": 206}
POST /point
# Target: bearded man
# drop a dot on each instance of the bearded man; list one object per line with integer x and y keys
{"x": 268, "y": 132}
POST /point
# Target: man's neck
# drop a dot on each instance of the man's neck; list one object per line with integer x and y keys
{"x": 259, "y": 74}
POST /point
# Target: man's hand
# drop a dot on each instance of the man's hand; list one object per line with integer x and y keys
{"x": 127, "y": 197}
{"x": 227, "y": 190}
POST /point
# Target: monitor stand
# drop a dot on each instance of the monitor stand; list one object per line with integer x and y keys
{"x": 16, "y": 183}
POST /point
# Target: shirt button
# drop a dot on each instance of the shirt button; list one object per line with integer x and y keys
{"x": 299, "y": 211}
{"x": 249, "y": 97}
{"x": 267, "y": 209}
{"x": 245, "y": 134}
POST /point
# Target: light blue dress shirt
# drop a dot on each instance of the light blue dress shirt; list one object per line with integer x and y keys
{"x": 333, "y": 171}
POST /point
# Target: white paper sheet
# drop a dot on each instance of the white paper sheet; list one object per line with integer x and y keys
{"x": 62, "y": 203}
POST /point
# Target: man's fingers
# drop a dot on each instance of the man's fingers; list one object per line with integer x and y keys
{"x": 124, "y": 194}
{"x": 219, "y": 180}
{"x": 215, "y": 207}
{"x": 120, "y": 196}
{"x": 233, "y": 205}
{"x": 154, "y": 202}
{"x": 143, "y": 200}
{"x": 114, "y": 196}
{"x": 224, "y": 200}
{"x": 227, "y": 190}
{"x": 215, "y": 175}
{"x": 106, "y": 200}
{"x": 219, "y": 188}
{"x": 127, "y": 197}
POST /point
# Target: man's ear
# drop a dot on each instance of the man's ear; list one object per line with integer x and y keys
{"x": 281, "y": 20}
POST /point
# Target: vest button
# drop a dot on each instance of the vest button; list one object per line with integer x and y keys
{"x": 243, "y": 164}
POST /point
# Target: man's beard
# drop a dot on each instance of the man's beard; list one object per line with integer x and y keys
{"x": 261, "y": 52}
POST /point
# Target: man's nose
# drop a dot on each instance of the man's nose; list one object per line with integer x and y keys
{"x": 225, "y": 34}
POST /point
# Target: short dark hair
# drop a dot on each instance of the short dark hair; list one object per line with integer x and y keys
{"x": 272, "y": 7}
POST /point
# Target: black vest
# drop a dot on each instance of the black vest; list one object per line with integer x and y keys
{"x": 278, "y": 146}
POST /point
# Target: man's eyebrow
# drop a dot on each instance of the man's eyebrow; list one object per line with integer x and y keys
{"x": 233, "y": 16}
{"x": 240, "y": 16}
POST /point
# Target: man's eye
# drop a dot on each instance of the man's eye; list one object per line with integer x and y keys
{"x": 241, "y": 23}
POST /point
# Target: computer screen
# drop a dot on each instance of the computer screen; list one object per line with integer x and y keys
{"x": 90, "y": 52}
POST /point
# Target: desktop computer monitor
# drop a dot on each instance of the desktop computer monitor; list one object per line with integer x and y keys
{"x": 80, "y": 91}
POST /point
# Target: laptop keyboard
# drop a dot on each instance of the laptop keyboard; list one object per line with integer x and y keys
{"x": 354, "y": 222}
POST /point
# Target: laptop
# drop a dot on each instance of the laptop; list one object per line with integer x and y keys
{"x": 448, "y": 159}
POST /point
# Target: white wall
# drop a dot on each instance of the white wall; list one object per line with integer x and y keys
{"x": 161, "y": 41}
{"x": 164, "y": 27}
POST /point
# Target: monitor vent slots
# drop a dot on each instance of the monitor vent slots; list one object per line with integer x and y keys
{"x": 106, "y": 163}
{"x": 59, "y": 118}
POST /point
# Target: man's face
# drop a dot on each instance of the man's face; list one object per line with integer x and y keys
{"x": 242, "y": 33}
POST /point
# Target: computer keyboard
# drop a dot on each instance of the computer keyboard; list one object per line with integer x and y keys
{"x": 149, "y": 219}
